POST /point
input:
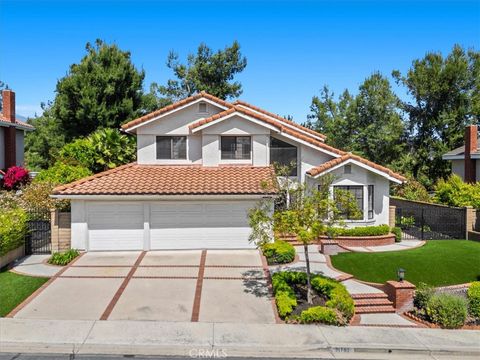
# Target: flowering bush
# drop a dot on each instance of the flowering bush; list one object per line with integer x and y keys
{"x": 15, "y": 177}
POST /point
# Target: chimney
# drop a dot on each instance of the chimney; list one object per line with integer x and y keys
{"x": 9, "y": 105}
{"x": 470, "y": 147}
{"x": 11, "y": 131}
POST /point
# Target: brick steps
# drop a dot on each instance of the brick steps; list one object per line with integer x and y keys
{"x": 375, "y": 303}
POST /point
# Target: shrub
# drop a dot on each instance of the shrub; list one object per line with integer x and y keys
{"x": 319, "y": 314}
{"x": 447, "y": 310}
{"x": 473, "y": 295}
{"x": 37, "y": 196}
{"x": 422, "y": 295}
{"x": 455, "y": 192}
{"x": 61, "y": 173}
{"x": 398, "y": 233}
{"x": 412, "y": 190}
{"x": 63, "y": 258}
{"x": 15, "y": 177}
{"x": 279, "y": 252}
{"x": 13, "y": 229}
{"x": 361, "y": 231}
{"x": 339, "y": 302}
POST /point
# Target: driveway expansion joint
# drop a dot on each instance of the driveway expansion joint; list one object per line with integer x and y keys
{"x": 122, "y": 287}
{"x": 198, "y": 290}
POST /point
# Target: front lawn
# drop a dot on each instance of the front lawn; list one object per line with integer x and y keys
{"x": 15, "y": 288}
{"x": 437, "y": 263}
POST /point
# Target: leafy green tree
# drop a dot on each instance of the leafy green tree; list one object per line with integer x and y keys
{"x": 368, "y": 124}
{"x": 103, "y": 91}
{"x": 445, "y": 98}
{"x": 206, "y": 70}
{"x": 312, "y": 213}
{"x": 102, "y": 150}
{"x": 42, "y": 145}
{"x": 61, "y": 173}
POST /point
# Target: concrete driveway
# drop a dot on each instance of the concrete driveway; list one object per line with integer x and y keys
{"x": 187, "y": 285}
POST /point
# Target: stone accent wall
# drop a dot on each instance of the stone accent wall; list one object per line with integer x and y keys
{"x": 391, "y": 216}
{"x": 401, "y": 294}
{"x": 61, "y": 231}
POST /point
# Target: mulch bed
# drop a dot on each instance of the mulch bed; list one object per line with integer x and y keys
{"x": 301, "y": 295}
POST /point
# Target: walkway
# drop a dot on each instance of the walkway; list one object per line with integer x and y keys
{"x": 35, "y": 265}
{"x": 403, "y": 245}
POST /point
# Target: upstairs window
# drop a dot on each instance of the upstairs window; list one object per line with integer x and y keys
{"x": 171, "y": 147}
{"x": 283, "y": 154}
{"x": 236, "y": 147}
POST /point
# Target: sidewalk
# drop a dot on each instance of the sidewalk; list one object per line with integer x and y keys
{"x": 273, "y": 340}
{"x": 35, "y": 265}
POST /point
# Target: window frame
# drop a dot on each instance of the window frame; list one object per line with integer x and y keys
{"x": 235, "y": 151}
{"x": 370, "y": 202}
{"x": 361, "y": 208}
{"x": 171, "y": 137}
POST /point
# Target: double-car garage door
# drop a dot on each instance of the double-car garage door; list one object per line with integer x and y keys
{"x": 168, "y": 225}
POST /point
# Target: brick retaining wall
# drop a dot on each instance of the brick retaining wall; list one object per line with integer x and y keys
{"x": 364, "y": 240}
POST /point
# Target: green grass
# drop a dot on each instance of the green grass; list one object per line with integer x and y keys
{"x": 15, "y": 288}
{"x": 437, "y": 263}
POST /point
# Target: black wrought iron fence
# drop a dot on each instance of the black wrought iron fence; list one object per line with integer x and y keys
{"x": 427, "y": 222}
{"x": 38, "y": 239}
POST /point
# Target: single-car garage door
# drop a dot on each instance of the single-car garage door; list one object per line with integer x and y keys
{"x": 115, "y": 226}
{"x": 204, "y": 224}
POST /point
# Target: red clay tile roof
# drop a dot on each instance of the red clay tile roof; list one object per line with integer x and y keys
{"x": 332, "y": 163}
{"x": 135, "y": 179}
{"x": 269, "y": 121}
{"x": 174, "y": 106}
{"x": 268, "y": 113}
{"x": 17, "y": 122}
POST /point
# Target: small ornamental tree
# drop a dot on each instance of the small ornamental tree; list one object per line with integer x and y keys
{"x": 311, "y": 211}
{"x": 15, "y": 177}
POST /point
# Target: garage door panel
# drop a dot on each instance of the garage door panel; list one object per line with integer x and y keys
{"x": 208, "y": 224}
{"x": 115, "y": 226}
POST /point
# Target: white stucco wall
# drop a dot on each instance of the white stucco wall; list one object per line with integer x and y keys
{"x": 173, "y": 124}
{"x": 19, "y": 147}
{"x": 2, "y": 147}
{"x": 363, "y": 177}
{"x": 458, "y": 168}
{"x": 310, "y": 158}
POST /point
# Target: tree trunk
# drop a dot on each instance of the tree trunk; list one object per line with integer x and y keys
{"x": 309, "y": 285}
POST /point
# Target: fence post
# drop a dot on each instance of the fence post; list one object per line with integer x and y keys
{"x": 470, "y": 219}
{"x": 391, "y": 216}
{"x": 422, "y": 223}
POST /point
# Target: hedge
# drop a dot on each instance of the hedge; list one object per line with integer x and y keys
{"x": 473, "y": 295}
{"x": 447, "y": 310}
{"x": 13, "y": 229}
{"x": 338, "y": 309}
{"x": 361, "y": 231}
{"x": 279, "y": 252}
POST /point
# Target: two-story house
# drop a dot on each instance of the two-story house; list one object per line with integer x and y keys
{"x": 12, "y": 133}
{"x": 202, "y": 163}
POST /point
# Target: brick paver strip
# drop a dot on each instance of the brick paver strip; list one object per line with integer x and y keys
{"x": 266, "y": 272}
{"x": 122, "y": 287}
{"x": 198, "y": 289}
{"x": 37, "y": 292}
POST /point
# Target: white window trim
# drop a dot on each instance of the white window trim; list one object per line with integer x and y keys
{"x": 365, "y": 219}
{"x": 173, "y": 160}
{"x": 236, "y": 161}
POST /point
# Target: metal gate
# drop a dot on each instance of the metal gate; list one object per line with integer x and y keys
{"x": 38, "y": 240}
{"x": 431, "y": 223}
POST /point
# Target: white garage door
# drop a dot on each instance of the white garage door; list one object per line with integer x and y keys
{"x": 194, "y": 225}
{"x": 115, "y": 226}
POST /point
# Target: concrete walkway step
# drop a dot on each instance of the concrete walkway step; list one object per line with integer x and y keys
{"x": 374, "y": 309}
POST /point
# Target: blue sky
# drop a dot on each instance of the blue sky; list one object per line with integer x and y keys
{"x": 293, "y": 47}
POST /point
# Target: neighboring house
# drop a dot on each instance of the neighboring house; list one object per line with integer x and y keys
{"x": 12, "y": 133}
{"x": 464, "y": 158}
{"x": 202, "y": 163}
